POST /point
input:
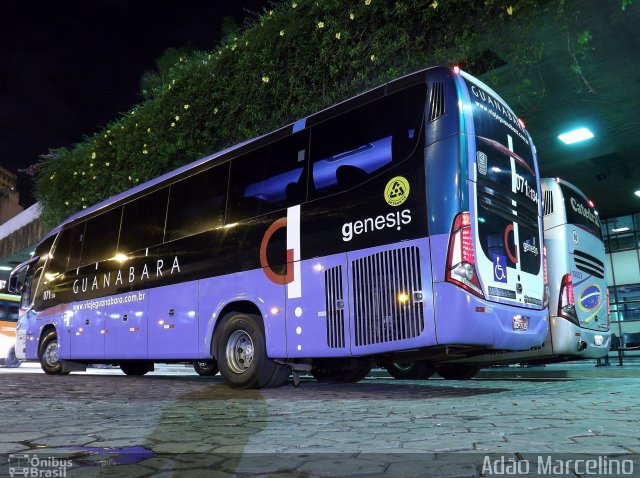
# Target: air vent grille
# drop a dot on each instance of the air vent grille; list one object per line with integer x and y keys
{"x": 436, "y": 101}
{"x": 334, "y": 307}
{"x": 589, "y": 264}
{"x": 387, "y": 294}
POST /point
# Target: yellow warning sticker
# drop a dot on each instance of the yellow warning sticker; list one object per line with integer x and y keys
{"x": 397, "y": 191}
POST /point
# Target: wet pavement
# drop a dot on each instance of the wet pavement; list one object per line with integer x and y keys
{"x": 172, "y": 422}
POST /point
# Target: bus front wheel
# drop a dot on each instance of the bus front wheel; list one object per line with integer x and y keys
{"x": 48, "y": 354}
{"x": 242, "y": 354}
{"x": 417, "y": 370}
{"x": 206, "y": 369}
{"x": 458, "y": 372}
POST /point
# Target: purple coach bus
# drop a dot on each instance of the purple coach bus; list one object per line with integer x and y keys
{"x": 401, "y": 224}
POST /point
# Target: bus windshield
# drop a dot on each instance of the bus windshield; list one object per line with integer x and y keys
{"x": 507, "y": 190}
{"x": 580, "y": 213}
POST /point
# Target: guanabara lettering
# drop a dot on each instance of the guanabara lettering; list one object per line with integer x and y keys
{"x": 129, "y": 276}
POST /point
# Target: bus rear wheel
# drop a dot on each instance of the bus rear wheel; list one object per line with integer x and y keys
{"x": 48, "y": 354}
{"x": 458, "y": 372}
{"x": 136, "y": 369}
{"x": 206, "y": 369}
{"x": 242, "y": 354}
{"x": 418, "y": 370}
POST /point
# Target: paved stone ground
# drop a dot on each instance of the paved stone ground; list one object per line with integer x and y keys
{"x": 174, "y": 423}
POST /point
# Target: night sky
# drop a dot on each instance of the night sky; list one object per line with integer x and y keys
{"x": 67, "y": 67}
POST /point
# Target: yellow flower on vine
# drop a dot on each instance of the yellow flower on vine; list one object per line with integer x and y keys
{"x": 510, "y": 9}
{"x": 352, "y": 16}
{"x": 281, "y": 33}
{"x": 177, "y": 118}
{"x": 173, "y": 124}
{"x": 294, "y": 5}
{"x": 93, "y": 155}
{"x": 320, "y": 24}
{"x": 265, "y": 79}
{"x": 367, "y": 2}
{"x": 434, "y": 5}
{"x": 373, "y": 58}
{"x": 338, "y": 35}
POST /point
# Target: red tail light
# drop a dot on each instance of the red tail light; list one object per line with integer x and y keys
{"x": 461, "y": 265}
{"x": 566, "y": 301}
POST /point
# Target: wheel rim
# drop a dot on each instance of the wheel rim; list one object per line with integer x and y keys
{"x": 51, "y": 354}
{"x": 239, "y": 351}
{"x": 404, "y": 366}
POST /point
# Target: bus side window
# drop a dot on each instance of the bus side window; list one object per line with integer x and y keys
{"x": 101, "y": 237}
{"x": 348, "y": 149}
{"x": 66, "y": 254}
{"x": 143, "y": 222}
{"x": 196, "y": 204}
{"x": 269, "y": 179}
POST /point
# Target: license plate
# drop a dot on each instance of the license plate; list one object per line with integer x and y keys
{"x": 520, "y": 323}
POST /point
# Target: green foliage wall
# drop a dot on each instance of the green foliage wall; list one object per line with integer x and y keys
{"x": 297, "y": 58}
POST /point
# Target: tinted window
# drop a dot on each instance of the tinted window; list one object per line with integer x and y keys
{"x": 101, "y": 237}
{"x": 143, "y": 222}
{"x": 580, "y": 213}
{"x": 196, "y": 204}
{"x": 268, "y": 179}
{"x": 350, "y": 148}
{"x": 493, "y": 120}
{"x": 66, "y": 255}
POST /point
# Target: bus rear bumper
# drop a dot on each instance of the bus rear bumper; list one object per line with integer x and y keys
{"x": 571, "y": 340}
{"x": 462, "y": 318}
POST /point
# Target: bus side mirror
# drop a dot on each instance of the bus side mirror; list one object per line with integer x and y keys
{"x": 15, "y": 284}
{"x": 18, "y": 276}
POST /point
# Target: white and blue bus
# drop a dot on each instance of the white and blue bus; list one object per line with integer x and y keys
{"x": 578, "y": 294}
{"x": 403, "y": 223}
{"x": 8, "y": 321}
{"x": 579, "y": 297}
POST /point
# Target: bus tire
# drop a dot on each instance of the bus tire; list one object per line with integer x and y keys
{"x": 335, "y": 375}
{"x": 458, "y": 371}
{"x": 135, "y": 369}
{"x": 48, "y": 354}
{"x": 206, "y": 369}
{"x": 418, "y": 370}
{"x": 242, "y": 353}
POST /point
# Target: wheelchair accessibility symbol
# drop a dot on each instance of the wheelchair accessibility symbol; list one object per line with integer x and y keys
{"x": 500, "y": 268}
